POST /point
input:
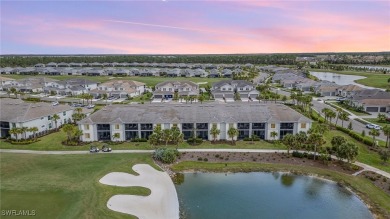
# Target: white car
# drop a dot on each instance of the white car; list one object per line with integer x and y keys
{"x": 55, "y": 103}
{"x": 373, "y": 126}
{"x": 90, "y": 106}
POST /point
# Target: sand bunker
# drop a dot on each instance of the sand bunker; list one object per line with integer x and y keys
{"x": 161, "y": 203}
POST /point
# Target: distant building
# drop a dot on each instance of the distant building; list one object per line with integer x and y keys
{"x": 226, "y": 89}
{"x": 167, "y": 89}
{"x": 119, "y": 88}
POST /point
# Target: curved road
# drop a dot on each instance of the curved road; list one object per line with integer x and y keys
{"x": 362, "y": 165}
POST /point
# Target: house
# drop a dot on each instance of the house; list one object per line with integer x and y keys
{"x": 120, "y": 72}
{"x": 30, "y": 85}
{"x": 16, "y": 113}
{"x": 6, "y": 70}
{"x": 227, "y": 73}
{"x": 348, "y": 90}
{"x": 173, "y": 72}
{"x": 39, "y": 65}
{"x": 214, "y": 73}
{"x": 5, "y": 82}
{"x": 119, "y": 88}
{"x": 167, "y": 89}
{"x": 200, "y": 73}
{"x": 70, "y": 87}
{"x": 372, "y": 100}
{"x": 51, "y": 64}
{"x": 137, "y": 121}
{"x": 63, "y": 64}
{"x": 227, "y": 89}
{"x": 326, "y": 88}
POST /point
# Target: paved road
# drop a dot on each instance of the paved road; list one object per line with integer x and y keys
{"x": 318, "y": 106}
{"x": 364, "y": 166}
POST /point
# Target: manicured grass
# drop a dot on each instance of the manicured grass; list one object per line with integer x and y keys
{"x": 373, "y": 79}
{"x": 52, "y": 142}
{"x": 65, "y": 186}
{"x": 338, "y": 104}
{"x": 378, "y": 200}
{"x": 365, "y": 156}
{"x": 149, "y": 81}
{"x": 376, "y": 121}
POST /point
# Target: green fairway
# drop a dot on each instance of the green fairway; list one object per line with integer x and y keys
{"x": 373, "y": 79}
{"x": 64, "y": 186}
{"x": 52, "y": 142}
{"x": 375, "y": 197}
{"x": 149, "y": 81}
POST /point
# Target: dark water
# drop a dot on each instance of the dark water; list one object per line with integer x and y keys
{"x": 266, "y": 195}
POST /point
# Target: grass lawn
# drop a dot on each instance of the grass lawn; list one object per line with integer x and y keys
{"x": 64, "y": 186}
{"x": 52, "y": 142}
{"x": 376, "y": 121}
{"x": 365, "y": 156}
{"x": 373, "y": 79}
{"x": 149, "y": 81}
{"x": 362, "y": 186}
{"x": 338, "y": 104}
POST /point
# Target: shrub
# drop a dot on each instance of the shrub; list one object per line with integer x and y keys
{"x": 166, "y": 155}
{"x": 196, "y": 141}
{"x": 139, "y": 140}
{"x": 200, "y": 159}
{"x": 205, "y": 159}
{"x": 297, "y": 154}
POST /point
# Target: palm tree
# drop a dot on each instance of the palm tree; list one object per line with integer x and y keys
{"x": 289, "y": 140}
{"x": 201, "y": 98}
{"x": 24, "y": 130}
{"x": 116, "y": 136}
{"x": 14, "y": 131}
{"x": 316, "y": 140}
{"x": 232, "y": 132}
{"x": 331, "y": 115}
{"x": 34, "y": 131}
{"x": 77, "y": 133}
{"x": 386, "y": 132}
{"x": 78, "y": 110}
{"x": 274, "y": 134}
{"x": 339, "y": 111}
{"x": 13, "y": 91}
{"x": 374, "y": 133}
{"x": 105, "y": 97}
{"x": 301, "y": 139}
{"x": 68, "y": 129}
{"x": 177, "y": 136}
{"x": 343, "y": 117}
{"x": 214, "y": 131}
{"x": 153, "y": 139}
{"x": 166, "y": 136}
{"x": 55, "y": 117}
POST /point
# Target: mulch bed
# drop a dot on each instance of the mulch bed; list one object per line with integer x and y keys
{"x": 379, "y": 180}
{"x": 273, "y": 158}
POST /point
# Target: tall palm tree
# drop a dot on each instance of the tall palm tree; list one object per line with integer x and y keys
{"x": 374, "y": 133}
{"x": 343, "y": 117}
{"x": 339, "y": 111}
{"x": 289, "y": 140}
{"x": 232, "y": 132}
{"x": 177, "y": 136}
{"x": 34, "y": 131}
{"x": 386, "y": 132}
{"x": 15, "y": 132}
{"x": 24, "y": 131}
{"x": 56, "y": 117}
{"x": 105, "y": 97}
{"x": 166, "y": 136}
{"x": 68, "y": 129}
{"x": 214, "y": 131}
{"x": 316, "y": 139}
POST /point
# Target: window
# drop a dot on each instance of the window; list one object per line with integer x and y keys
{"x": 86, "y": 127}
{"x": 303, "y": 125}
{"x": 117, "y": 126}
{"x": 272, "y": 125}
{"x": 64, "y": 113}
{"x": 131, "y": 126}
{"x": 49, "y": 118}
{"x": 87, "y": 135}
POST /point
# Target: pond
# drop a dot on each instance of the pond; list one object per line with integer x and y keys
{"x": 265, "y": 195}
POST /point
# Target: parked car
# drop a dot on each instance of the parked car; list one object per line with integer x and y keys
{"x": 373, "y": 126}
{"x": 105, "y": 148}
{"x": 340, "y": 99}
{"x": 93, "y": 149}
{"x": 90, "y": 106}
{"x": 55, "y": 103}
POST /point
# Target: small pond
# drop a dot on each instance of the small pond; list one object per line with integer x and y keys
{"x": 265, "y": 195}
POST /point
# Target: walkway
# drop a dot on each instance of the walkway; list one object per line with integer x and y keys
{"x": 362, "y": 165}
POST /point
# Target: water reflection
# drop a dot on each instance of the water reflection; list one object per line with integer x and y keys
{"x": 339, "y": 78}
{"x": 287, "y": 179}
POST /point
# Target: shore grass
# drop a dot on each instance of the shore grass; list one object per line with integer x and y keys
{"x": 373, "y": 79}
{"x": 65, "y": 186}
{"x": 377, "y": 200}
{"x": 149, "y": 81}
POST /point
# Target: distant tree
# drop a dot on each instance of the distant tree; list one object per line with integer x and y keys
{"x": 343, "y": 117}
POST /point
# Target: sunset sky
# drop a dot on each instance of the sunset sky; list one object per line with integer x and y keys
{"x": 193, "y": 27}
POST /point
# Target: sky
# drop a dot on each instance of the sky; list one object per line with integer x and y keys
{"x": 193, "y": 26}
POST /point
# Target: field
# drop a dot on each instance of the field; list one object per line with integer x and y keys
{"x": 149, "y": 81}
{"x": 375, "y": 121}
{"x": 64, "y": 186}
{"x": 373, "y": 79}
